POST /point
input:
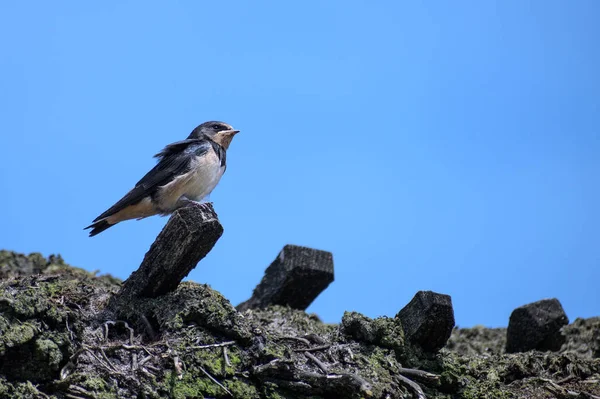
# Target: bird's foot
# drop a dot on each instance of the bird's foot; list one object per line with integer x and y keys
{"x": 184, "y": 202}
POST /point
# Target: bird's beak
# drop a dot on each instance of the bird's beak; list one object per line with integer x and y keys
{"x": 229, "y": 132}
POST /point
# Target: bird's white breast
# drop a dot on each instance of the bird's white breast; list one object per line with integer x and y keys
{"x": 200, "y": 181}
{"x": 206, "y": 173}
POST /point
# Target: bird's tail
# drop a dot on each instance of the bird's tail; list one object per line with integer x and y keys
{"x": 98, "y": 227}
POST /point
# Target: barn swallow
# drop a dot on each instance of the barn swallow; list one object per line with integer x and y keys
{"x": 187, "y": 171}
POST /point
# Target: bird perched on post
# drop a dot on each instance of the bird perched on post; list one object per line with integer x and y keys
{"x": 187, "y": 171}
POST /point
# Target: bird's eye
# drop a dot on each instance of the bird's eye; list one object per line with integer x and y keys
{"x": 216, "y": 127}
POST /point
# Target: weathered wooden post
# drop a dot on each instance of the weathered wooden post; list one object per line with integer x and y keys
{"x": 188, "y": 236}
{"x": 295, "y": 278}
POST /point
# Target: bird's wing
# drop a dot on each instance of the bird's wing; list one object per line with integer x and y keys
{"x": 176, "y": 147}
{"x": 172, "y": 164}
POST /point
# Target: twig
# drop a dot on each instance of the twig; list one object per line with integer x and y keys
{"x": 226, "y": 356}
{"x": 125, "y": 346}
{"x": 153, "y": 368}
{"x": 213, "y": 379}
{"x": 316, "y": 361}
{"x": 362, "y": 384}
{"x": 108, "y": 360}
{"x": 131, "y": 332}
{"x": 419, "y": 374}
{"x": 101, "y": 362}
{"x": 314, "y": 349}
{"x": 134, "y": 358}
{"x": 348, "y": 351}
{"x": 143, "y": 370}
{"x": 113, "y": 323}
{"x": 41, "y": 393}
{"x": 557, "y": 390}
{"x": 183, "y": 364}
{"x": 591, "y": 381}
{"x": 261, "y": 368}
{"x": 412, "y": 385}
{"x": 144, "y": 360}
{"x": 105, "y": 327}
{"x": 300, "y": 386}
{"x": 71, "y": 335}
{"x": 64, "y": 373}
{"x": 178, "y": 369}
{"x": 221, "y": 344}
{"x": 6, "y": 300}
{"x": 303, "y": 340}
{"x": 134, "y": 362}
{"x": 148, "y": 326}
{"x": 566, "y": 379}
{"x": 315, "y": 339}
{"x": 81, "y": 390}
{"x": 349, "y": 380}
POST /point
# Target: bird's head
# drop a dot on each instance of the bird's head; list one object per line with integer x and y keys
{"x": 219, "y": 132}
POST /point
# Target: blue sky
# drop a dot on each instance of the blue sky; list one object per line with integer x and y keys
{"x": 452, "y": 147}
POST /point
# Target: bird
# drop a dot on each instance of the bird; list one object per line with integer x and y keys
{"x": 187, "y": 171}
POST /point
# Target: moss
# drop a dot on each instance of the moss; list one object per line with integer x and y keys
{"x": 389, "y": 333}
{"x": 270, "y": 391}
{"x": 508, "y": 376}
{"x": 476, "y": 389}
{"x": 188, "y": 386}
{"x": 241, "y": 389}
{"x": 38, "y": 303}
{"x": 583, "y": 337}
{"x": 95, "y": 384}
{"x": 358, "y": 327}
{"x": 451, "y": 373}
{"x": 190, "y": 304}
{"x": 477, "y": 340}
{"x": 195, "y": 383}
{"x": 383, "y": 331}
{"x": 12, "y": 264}
{"x": 48, "y": 319}
{"x": 282, "y": 318}
{"x": 213, "y": 363}
{"x": 24, "y": 390}
{"x": 275, "y": 350}
{"x": 18, "y": 334}
{"x": 234, "y": 357}
{"x": 48, "y": 352}
{"x": 29, "y": 303}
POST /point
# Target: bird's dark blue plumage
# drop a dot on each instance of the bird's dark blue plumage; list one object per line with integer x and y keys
{"x": 174, "y": 161}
